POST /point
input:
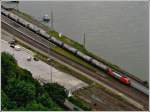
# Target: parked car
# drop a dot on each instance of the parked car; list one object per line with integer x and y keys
{"x": 17, "y": 47}
{"x": 36, "y": 59}
{"x": 29, "y": 58}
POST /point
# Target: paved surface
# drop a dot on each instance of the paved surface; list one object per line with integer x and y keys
{"x": 40, "y": 69}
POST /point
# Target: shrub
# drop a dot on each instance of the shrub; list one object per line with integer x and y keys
{"x": 56, "y": 91}
{"x": 45, "y": 100}
{"x": 20, "y": 91}
{"x": 34, "y": 106}
{"x": 4, "y": 100}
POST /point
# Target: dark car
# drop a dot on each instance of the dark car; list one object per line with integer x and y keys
{"x": 12, "y": 45}
{"x": 36, "y": 59}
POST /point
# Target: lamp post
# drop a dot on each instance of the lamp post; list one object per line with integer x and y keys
{"x": 49, "y": 60}
{"x": 51, "y": 72}
{"x": 13, "y": 52}
{"x": 84, "y": 39}
{"x": 52, "y": 22}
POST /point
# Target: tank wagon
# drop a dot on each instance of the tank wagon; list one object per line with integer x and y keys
{"x": 14, "y": 17}
{"x": 56, "y": 41}
{"x": 83, "y": 56}
{"x": 23, "y": 22}
{"x": 69, "y": 48}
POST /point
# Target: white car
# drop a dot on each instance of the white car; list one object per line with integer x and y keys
{"x": 17, "y": 48}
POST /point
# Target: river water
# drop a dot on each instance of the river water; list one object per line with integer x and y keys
{"x": 115, "y": 31}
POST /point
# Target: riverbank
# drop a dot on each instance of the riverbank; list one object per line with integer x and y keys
{"x": 76, "y": 45}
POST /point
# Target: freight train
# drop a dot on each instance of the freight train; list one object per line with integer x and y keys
{"x": 67, "y": 47}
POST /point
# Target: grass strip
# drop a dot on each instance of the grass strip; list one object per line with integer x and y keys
{"x": 80, "y": 103}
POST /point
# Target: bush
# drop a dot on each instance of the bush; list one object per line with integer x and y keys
{"x": 7, "y": 58}
{"x": 4, "y": 100}
{"x": 56, "y": 91}
{"x": 20, "y": 91}
{"x": 45, "y": 100}
{"x": 12, "y": 105}
{"x": 34, "y": 106}
{"x": 8, "y": 68}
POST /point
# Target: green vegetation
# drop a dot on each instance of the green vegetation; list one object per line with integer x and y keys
{"x": 21, "y": 92}
{"x": 55, "y": 93}
{"x": 80, "y": 103}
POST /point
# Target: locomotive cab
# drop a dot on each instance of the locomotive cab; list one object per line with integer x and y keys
{"x": 125, "y": 80}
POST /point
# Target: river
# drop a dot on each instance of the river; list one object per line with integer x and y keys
{"x": 115, "y": 31}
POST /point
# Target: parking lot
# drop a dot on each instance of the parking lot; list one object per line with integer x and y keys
{"x": 41, "y": 70}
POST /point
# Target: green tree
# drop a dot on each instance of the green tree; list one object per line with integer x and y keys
{"x": 21, "y": 91}
{"x": 34, "y": 106}
{"x": 6, "y": 58}
{"x": 8, "y": 68}
{"x": 4, "y": 100}
{"x": 12, "y": 105}
{"x": 48, "y": 102}
{"x": 56, "y": 91}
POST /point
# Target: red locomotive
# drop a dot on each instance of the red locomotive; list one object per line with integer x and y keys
{"x": 121, "y": 78}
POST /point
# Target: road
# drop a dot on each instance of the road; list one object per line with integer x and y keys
{"x": 36, "y": 40}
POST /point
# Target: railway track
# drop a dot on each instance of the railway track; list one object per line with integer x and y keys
{"x": 39, "y": 42}
{"x": 135, "y": 82}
